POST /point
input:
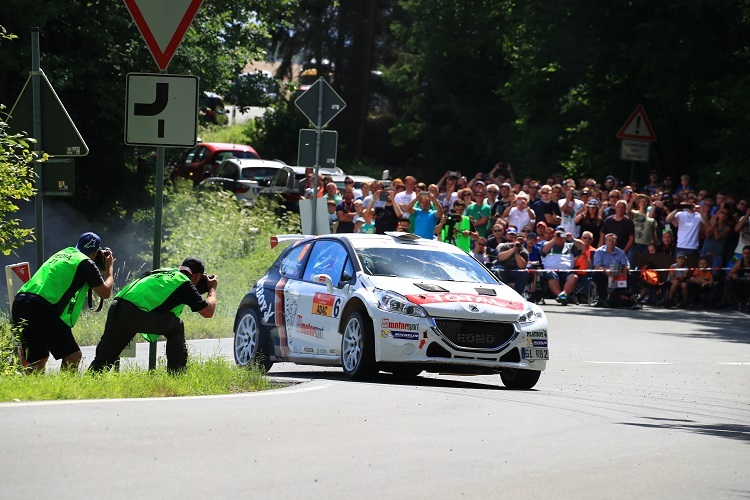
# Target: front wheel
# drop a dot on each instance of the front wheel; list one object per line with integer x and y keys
{"x": 515, "y": 378}
{"x": 357, "y": 347}
{"x": 250, "y": 341}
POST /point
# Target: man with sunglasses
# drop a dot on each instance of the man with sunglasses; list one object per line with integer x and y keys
{"x": 549, "y": 210}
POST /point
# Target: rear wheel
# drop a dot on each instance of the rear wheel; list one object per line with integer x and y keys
{"x": 357, "y": 347}
{"x": 515, "y": 378}
{"x": 250, "y": 341}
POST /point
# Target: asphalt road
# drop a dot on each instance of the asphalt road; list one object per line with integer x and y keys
{"x": 634, "y": 404}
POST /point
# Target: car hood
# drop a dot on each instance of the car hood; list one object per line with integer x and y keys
{"x": 475, "y": 301}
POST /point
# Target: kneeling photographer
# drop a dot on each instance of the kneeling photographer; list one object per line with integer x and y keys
{"x": 510, "y": 266}
{"x": 152, "y": 305}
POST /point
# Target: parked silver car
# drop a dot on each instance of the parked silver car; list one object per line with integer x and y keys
{"x": 244, "y": 177}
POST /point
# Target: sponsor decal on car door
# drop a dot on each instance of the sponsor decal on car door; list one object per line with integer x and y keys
{"x": 318, "y": 310}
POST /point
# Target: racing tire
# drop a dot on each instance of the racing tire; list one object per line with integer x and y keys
{"x": 515, "y": 378}
{"x": 358, "y": 347}
{"x": 251, "y": 341}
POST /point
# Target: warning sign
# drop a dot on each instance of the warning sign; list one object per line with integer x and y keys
{"x": 637, "y": 127}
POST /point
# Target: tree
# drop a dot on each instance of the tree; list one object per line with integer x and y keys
{"x": 88, "y": 48}
{"x": 451, "y": 66}
{"x": 16, "y": 181}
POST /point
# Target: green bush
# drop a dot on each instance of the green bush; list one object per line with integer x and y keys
{"x": 9, "y": 362}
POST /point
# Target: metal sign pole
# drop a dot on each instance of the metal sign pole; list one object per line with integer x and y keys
{"x": 158, "y": 205}
{"x": 37, "y": 117}
{"x": 158, "y": 209}
{"x": 318, "y": 127}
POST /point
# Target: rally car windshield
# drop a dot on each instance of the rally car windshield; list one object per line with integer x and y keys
{"x": 423, "y": 264}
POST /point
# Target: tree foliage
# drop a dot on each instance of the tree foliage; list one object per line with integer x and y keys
{"x": 88, "y": 48}
{"x": 16, "y": 181}
{"x": 429, "y": 84}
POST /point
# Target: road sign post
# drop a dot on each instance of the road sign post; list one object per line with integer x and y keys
{"x": 308, "y": 153}
{"x": 158, "y": 105}
{"x": 320, "y": 104}
{"x": 162, "y": 110}
{"x": 59, "y": 177}
{"x": 636, "y": 135}
{"x": 163, "y": 24}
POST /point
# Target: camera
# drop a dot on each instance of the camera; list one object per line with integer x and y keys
{"x": 453, "y": 219}
{"x": 453, "y": 173}
{"x": 100, "y": 256}
{"x": 559, "y": 234}
{"x": 202, "y": 285}
{"x": 685, "y": 206}
{"x": 384, "y": 195}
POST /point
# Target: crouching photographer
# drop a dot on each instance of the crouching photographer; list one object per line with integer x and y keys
{"x": 152, "y": 305}
{"x": 47, "y": 306}
{"x": 511, "y": 262}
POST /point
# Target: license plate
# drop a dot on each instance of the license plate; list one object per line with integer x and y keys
{"x": 535, "y": 353}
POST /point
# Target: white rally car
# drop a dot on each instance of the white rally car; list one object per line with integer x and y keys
{"x": 396, "y": 303}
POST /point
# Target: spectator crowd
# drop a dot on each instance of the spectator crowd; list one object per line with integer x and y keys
{"x": 560, "y": 235}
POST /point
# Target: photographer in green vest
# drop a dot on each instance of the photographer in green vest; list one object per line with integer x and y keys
{"x": 152, "y": 305}
{"x": 47, "y": 306}
{"x": 456, "y": 228}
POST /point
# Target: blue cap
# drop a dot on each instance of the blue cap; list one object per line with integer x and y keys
{"x": 89, "y": 242}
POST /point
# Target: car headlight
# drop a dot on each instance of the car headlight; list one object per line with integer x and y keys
{"x": 527, "y": 316}
{"x": 393, "y": 302}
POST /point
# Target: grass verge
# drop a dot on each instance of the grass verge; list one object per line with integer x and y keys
{"x": 202, "y": 377}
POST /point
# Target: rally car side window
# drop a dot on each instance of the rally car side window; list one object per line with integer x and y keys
{"x": 327, "y": 257}
{"x": 291, "y": 264}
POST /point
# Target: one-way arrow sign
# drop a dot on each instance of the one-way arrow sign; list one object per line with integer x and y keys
{"x": 163, "y": 24}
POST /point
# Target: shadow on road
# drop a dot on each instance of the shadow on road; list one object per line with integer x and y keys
{"x": 388, "y": 379}
{"x": 738, "y": 432}
{"x": 729, "y": 326}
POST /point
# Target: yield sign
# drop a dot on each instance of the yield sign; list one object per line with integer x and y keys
{"x": 163, "y": 23}
{"x": 637, "y": 127}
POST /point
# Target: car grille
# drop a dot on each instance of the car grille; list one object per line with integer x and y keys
{"x": 476, "y": 334}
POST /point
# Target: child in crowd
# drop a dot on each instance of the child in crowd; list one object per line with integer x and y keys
{"x": 358, "y": 222}
{"x": 333, "y": 219}
{"x": 368, "y": 226}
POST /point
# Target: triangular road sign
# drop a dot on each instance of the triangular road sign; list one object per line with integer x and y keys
{"x": 637, "y": 127}
{"x": 163, "y": 24}
{"x": 60, "y": 137}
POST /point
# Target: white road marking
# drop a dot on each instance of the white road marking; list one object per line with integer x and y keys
{"x": 627, "y": 362}
{"x": 740, "y": 363}
{"x": 270, "y": 392}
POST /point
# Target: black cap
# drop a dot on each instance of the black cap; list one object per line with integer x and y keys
{"x": 193, "y": 265}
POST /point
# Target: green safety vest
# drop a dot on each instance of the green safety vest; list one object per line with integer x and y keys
{"x": 462, "y": 242}
{"x": 152, "y": 290}
{"x": 54, "y": 280}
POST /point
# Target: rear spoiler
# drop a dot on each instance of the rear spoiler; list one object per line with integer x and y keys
{"x": 286, "y": 238}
